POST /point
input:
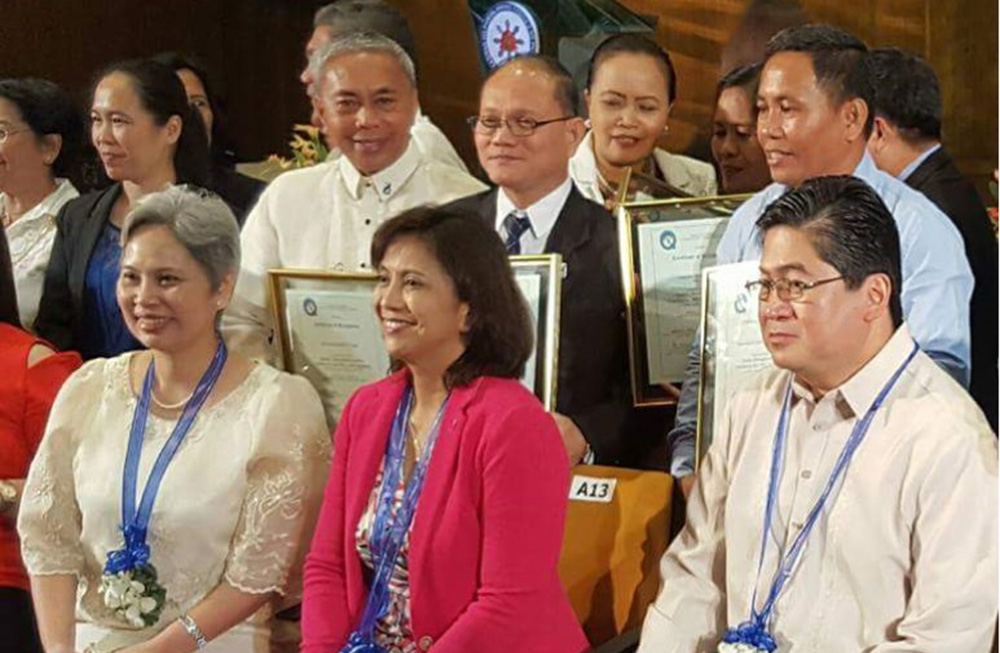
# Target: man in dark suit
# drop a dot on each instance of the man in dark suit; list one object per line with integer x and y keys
{"x": 906, "y": 143}
{"x": 526, "y": 131}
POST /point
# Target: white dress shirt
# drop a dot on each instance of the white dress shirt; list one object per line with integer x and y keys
{"x": 542, "y": 215}
{"x": 30, "y": 239}
{"x": 692, "y": 176}
{"x": 904, "y": 557}
{"x": 324, "y": 217}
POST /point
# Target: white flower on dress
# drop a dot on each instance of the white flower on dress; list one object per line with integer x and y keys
{"x": 128, "y": 599}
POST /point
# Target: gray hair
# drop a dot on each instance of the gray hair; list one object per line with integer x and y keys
{"x": 361, "y": 42}
{"x": 379, "y": 16}
{"x": 199, "y": 220}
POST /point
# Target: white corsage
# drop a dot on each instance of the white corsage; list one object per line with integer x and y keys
{"x": 134, "y": 595}
{"x": 738, "y": 647}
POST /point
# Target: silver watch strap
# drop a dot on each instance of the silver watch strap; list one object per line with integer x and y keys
{"x": 193, "y": 630}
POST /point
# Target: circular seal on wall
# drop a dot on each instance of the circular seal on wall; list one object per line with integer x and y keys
{"x": 508, "y": 30}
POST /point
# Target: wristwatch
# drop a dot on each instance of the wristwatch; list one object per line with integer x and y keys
{"x": 8, "y": 496}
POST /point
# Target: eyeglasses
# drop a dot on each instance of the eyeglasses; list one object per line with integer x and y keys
{"x": 10, "y": 131}
{"x": 520, "y": 127}
{"x": 789, "y": 290}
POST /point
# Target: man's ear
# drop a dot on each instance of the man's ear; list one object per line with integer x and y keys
{"x": 878, "y": 293}
{"x": 854, "y": 113}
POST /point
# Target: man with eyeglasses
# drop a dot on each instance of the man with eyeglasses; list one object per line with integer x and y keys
{"x": 526, "y": 131}
{"x": 848, "y": 501}
{"x": 815, "y": 113}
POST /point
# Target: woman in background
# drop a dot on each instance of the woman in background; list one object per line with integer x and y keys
{"x": 631, "y": 87}
{"x": 41, "y": 133}
{"x": 239, "y": 191}
{"x": 147, "y": 138}
{"x": 443, "y": 518}
{"x": 737, "y": 153}
{"x": 32, "y": 375}
{"x": 242, "y": 451}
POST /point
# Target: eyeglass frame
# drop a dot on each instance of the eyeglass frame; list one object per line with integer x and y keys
{"x": 7, "y": 133}
{"x": 475, "y": 121}
{"x": 764, "y": 287}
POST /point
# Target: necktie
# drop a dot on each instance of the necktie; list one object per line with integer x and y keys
{"x": 515, "y": 224}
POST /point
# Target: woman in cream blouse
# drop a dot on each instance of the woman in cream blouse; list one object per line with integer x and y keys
{"x": 40, "y": 137}
{"x": 631, "y": 87}
{"x": 232, "y": 518}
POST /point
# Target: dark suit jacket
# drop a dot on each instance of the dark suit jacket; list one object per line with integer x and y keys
{"x": 942, "y": 183}
{"x": 78, "y": 225}
{"x": 238, "y": 191}
{"x": 593, "y": 388}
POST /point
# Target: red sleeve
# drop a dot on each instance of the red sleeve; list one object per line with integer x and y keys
{"x": 325, "y": 619}
{"x": 525, "y": 492}
{"x": 42, "y": 383}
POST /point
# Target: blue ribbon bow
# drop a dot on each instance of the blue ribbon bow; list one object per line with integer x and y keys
{"x": 752, "y": 633}
{"x": 134, "y": 554}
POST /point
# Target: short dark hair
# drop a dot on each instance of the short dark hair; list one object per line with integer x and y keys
{"x": 47, "y": 109}
{"x": 850, "y": 227}
{"x": 221, "y": 142}
{"x": 162, "y": 94}
{"x": 566, "y": 92}
{"x": 907, "y": 93}
{"x": 8, "y": 292}
{"x": 840, "y": 62}
{"x": 346, "y": 16}
{"x": 632, "y": 43}
{"x": 501, "y": 336}
{"x": 746, "y": 77}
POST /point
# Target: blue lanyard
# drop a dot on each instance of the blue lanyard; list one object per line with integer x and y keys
{"x": 757, "y": 628}
{"x": 387, "y": 538}
{"x": 135, "y": 522}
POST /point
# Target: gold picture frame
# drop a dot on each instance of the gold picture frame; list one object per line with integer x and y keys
{"x": 664, "y": 246}
{"x": 539, "y": 277}
{"x": 328, "y": 332}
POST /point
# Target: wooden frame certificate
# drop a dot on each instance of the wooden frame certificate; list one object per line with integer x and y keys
{"x": 540, "y": 280}
{"x": 665, "y": 246}
{"x": 328, "y": 332}
{"x": 732, "y": 349}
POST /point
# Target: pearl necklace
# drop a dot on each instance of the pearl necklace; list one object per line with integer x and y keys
{"x": 179, "y": 404}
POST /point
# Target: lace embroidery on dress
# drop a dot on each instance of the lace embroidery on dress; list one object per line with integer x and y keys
{"x": 261, "y": 553}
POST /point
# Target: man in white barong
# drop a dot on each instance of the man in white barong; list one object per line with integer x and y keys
{"x": 849, "y": 499}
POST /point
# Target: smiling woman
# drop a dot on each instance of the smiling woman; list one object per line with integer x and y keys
{"x": 631, "y": 87}
{"x": 147, "y": 137}
{"x": 241, "y": 450}
{"x": 454, "y": 429}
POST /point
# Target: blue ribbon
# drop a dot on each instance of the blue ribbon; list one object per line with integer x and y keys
{"x": 135, "y": 522}
{"x": 387, "y": 538}
{"x": 756, "y": 628}
{"x": 753, "y": 634}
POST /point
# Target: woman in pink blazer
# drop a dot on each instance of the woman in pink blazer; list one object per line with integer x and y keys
{"x": 443, "y": 517}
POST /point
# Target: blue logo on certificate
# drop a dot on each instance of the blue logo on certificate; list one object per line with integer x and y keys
{"x": 740, "y": 305}
{"x": 508, "y": 30}
{"x": 310, "y": 308}
{"x": 668, "y": 240}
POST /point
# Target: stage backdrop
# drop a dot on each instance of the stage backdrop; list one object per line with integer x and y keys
{"x": 254, "y": 50}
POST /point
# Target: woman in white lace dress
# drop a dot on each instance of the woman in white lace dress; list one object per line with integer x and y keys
{"x": 220, "y": 550}
{"x": 41, "y": 132}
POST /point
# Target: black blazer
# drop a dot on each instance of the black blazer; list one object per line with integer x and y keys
{"x": 942, "y": 183}
{"x": 78, "y": 225}
{"x": 593, "y": 388}
{"x": 238, "y": 191}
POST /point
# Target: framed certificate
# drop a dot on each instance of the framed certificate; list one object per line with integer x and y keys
{"x": 328, "y": 331}
{"x": 732, "y": 349}
{"x": 540, "y": 281}
{"x": 665, "y": 245}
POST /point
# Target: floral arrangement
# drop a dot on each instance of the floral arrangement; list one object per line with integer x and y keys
{"x": 134, "y": 595}
{"x": 308, "y": 148}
